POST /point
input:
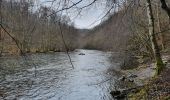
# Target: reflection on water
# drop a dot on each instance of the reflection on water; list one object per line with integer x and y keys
{"x": 55, "y": 79}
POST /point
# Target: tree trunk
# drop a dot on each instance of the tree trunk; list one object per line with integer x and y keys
{"x": 0, "y": 20}
{"x": 160, "y": 35}
{"x": 157, "y": 55}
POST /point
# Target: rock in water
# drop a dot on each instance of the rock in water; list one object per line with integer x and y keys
{"x": 115, "y": 93}
{"x": 118, "y": 94}
{"x": 123, "y": 78}
{"x": 81, "y": 54}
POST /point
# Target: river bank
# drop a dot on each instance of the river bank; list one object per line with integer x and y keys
{"x": 157, "y": 88}
{"x": 17, "y": 52}
{"x": 145, "y": 85}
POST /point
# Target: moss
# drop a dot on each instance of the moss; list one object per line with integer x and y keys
{"x": 159, "y": 67}
{"x": 139, "y": 95}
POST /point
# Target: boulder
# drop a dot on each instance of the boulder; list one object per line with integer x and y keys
{"x": 81, "y": 53}
{"x": 121, "y": 94}
{"x": 123, "y": 78}
{"x": 132, "y": 76}
{"x": 130, "y": 80}
{"x": 118, "y": 94}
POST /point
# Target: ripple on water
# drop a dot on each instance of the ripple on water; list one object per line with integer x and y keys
{"x": 56, "y": 80}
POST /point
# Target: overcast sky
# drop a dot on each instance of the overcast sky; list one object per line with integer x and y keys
{"x": 89, "y": 17}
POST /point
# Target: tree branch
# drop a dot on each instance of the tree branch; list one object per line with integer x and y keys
{"x": 66, "y": 8}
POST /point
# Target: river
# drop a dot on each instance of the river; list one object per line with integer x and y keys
{"x": 54, "y": 78}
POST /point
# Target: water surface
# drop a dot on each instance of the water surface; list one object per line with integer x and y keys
{"x": 55, "y": 79}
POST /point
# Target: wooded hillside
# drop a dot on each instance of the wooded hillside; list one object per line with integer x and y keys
{"x": 32, "y": 30}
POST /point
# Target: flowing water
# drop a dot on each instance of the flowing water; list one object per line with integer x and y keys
{"x": 54, "y": 78}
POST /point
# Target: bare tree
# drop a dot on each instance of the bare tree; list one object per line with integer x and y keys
{"x": 158, "y": 59}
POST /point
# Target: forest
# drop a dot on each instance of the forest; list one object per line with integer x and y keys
{"x": 40, "y": 41}
{"x": 32, "y": 31}
{"x": 25, "y": 25}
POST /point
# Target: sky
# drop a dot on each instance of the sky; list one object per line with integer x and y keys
{"x": 88, "y": 18}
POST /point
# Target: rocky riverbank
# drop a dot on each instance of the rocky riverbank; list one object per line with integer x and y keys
{"x": 143, "y": 84}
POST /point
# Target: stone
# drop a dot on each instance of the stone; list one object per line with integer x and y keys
{"x": 115, "y": 93}
{"x": 81, "y": 54}
{"x": 123, "y": 78}
{"x": 130, "y": 80}
{"x": 132, "y": 76}
{"x": 118, "y": 94}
